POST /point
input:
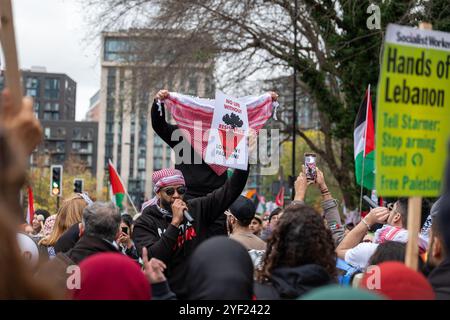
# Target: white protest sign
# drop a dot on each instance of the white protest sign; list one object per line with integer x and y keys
{"x": 227, "y": 143}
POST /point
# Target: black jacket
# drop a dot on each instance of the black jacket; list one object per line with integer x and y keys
{"x": 290, "y": 283}
{"x": 439, "y": 279}
{"x": 68, "y": 239}
{"x": 88, "y": 246}
{"x": 200, "y": 178}
{"x": 174, "y": 245}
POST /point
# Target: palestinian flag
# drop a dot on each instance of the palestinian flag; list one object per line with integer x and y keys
{"x": 279, "y": 200}
{"x": 364, "y": 144}
{"x": 30, "y": 209}
{"x": 118, "y": 190}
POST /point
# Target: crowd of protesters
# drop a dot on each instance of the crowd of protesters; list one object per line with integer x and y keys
{"x": 226, "y": 251}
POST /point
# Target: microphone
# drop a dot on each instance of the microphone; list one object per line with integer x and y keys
{"x": 372, "y": 204}
{"x": 188, "y": 216}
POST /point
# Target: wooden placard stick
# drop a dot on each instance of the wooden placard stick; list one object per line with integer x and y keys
{"x": 412, "y": 247}
{"x": 8, "y": 42}
{"x": 414, "y": 214}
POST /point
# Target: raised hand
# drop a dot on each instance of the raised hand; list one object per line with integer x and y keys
{"x": 274, "y": 95}
{"x": 153, "y": 269}
{"x": 300, "y": 185}
{"x": 162, "y": 94}
{"x": 178, "y": 208}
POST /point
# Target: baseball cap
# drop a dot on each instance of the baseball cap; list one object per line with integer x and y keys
{"x": 243, "y": 208}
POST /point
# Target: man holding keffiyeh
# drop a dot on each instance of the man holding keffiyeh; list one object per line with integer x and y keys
{"x": 201, "y": 178}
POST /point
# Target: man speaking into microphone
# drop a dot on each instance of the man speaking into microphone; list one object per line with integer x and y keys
{"x": 171, "y": 228}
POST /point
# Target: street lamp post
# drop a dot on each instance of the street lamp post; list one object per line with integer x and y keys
{"x": 294, "y": 97}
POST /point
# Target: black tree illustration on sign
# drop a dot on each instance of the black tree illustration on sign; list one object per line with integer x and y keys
{"x": 233, "y": 120}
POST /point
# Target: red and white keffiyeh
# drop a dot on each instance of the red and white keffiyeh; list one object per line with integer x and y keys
{"x": 163, "y": 178}
{"x": 194, "y": 117}
{"x": 167, "y": 177}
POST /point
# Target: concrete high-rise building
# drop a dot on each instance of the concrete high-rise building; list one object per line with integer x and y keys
{"x": 54, "y": 96}
{"x": 93, "y": 113}
{"x": 126, "y": 135}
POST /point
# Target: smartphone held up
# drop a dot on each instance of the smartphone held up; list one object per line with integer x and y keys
{"x": 310, "y": 166}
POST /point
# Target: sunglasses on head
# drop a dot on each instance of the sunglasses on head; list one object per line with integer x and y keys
{"x": 170, "y": 191}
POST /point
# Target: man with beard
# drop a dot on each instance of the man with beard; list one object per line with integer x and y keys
{"x": 167, "y": 234}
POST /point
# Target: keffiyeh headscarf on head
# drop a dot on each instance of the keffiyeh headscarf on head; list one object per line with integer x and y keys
{"x": 167, "y": 177}
{"x": 164, "y": 178}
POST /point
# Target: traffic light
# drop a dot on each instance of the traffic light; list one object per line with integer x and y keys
{"x": 56, "y": 180}
{"x": 78, "y": 185}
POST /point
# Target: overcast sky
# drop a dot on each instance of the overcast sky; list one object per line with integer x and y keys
{"x": 51, "y": 33}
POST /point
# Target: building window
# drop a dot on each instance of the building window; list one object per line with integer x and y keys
{"x": 157, "y": 151}
{"x": 157, "y": 141}
{"x": 76, "y": 133}
{"x": 52, "y": 86}
{"x": 193, "y": 82}
{"x": 61, "y": 132}
{"x": 141, "y": 163}
{"x": 47, "y": 116}
{"x": 32, "y": 86}
{"x": 157, "y": 164}
{"x": 47, "y": 132}
{"x": 89, "y": 134}
{"x": 116, "y": 49}
{"x": 60, "y": 146}
{"x": 76, "y": 146}
{"x": 89, "y": 147}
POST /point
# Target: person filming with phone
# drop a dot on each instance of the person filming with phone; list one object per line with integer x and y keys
{"x": 124, "y": 241}
{"x": 312, "y": 175}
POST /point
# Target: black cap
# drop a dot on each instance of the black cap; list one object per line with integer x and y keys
{"x": 243, "y": 208}
{"x": 275, "y": 212}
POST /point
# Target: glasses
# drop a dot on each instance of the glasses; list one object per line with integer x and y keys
{"x": 390, "y": 206}
{"x": 171, "y": 191}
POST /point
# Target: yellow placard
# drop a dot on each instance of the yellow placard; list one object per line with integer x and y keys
{"x": 413, "y": 112}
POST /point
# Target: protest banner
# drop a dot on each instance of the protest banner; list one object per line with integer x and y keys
{"x": 412, "y": 120}
{"x": 8, "y": 42}
{"x": 227, "y": 143}
{"x": 413, "y": 112}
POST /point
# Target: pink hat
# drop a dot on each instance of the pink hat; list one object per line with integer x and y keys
{"x": 167, "y": 177}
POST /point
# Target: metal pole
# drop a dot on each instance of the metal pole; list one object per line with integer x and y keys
{"x": 57, "y": 204}
{"x": 294, "y": 96}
